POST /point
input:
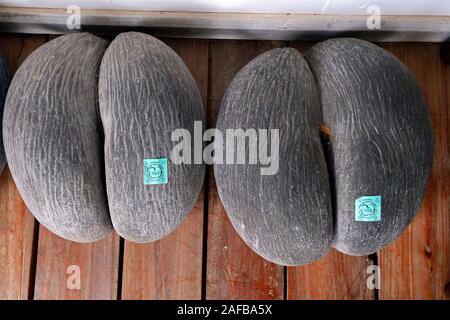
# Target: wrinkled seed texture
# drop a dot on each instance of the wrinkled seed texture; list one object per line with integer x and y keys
{"x": 52, "y": 137}
{"x": 146, "y": 92}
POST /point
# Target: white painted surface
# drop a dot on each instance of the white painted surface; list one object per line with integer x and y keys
{"x": 269, "y": 26}
{"x": 356, "y": 7}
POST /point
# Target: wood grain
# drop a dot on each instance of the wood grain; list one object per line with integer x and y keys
{"x": 234, "y": 271}
{"x": 417, "y": 266}
{"x": 17, "y": 229}
{"x": 171, "y": 268}
{"x": 60, "y": 262}
{"x": 335, "y": 276}
{"x": 17, "y": 225}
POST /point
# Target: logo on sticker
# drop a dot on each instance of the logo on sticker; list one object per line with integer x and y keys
{"x": 155, "y": 171}
{"x": 368, "y": 208}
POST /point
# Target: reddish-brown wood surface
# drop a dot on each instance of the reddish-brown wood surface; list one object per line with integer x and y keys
{"x": 16, "y": 242}
{"x": 17, "y": 225}
{"x": 417, "y": 266}
{"x": 335, "y": 276}
{"x": 216, "y": 264}
{"x": 61, "y": 263}
{"x": 171, "y": 268}
{"x": 233, "y": 270}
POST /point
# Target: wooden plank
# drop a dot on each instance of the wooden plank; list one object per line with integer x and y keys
{"x": 171, "y": 268}
{"x": 234, "y": 271}
{"x": 60, "y": 262}
{"x": 17, "y": 229}
{"x": 335, "y": 276}
{"x": 229, "y": 25}
{"x": 68, "y": 270}
{"x": 417, "y": 266}
{"x": 17, "y": 225}
{"x": 16, "y": 48}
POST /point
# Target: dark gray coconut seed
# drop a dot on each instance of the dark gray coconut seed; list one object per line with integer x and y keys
{"x": 52, "y": 137}
{"x": 380, "y": 141}
{"x": 5, "y": 79}
{"x": 145, "y": 93}
{"x": 286, "y": 217}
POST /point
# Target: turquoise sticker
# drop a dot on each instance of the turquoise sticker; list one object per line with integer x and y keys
{"x": 155, "y": 171}
{"x": 368, "y": 208}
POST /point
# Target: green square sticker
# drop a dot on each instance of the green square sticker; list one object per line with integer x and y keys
{"x": 368, "y": 208}
{"x": 155, "y": 171}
